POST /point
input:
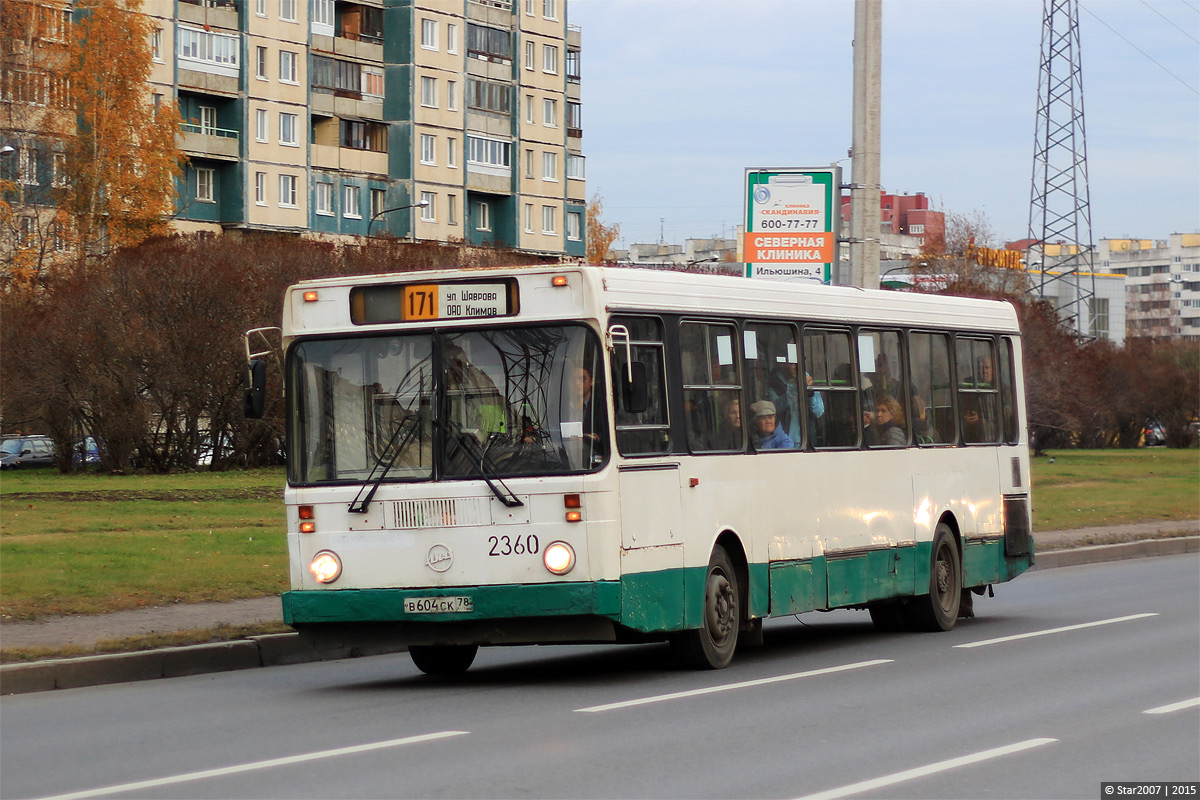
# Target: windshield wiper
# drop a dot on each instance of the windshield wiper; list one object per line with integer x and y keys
{"x": 386, "y": 459}
{"x": 477, "y": 455}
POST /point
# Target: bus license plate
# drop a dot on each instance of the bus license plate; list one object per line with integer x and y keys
{"x": 438, "y": 605}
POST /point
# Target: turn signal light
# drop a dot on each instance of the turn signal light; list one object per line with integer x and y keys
{"x": 572, "y": 501}
{"x": 310, "y": 297}
{"x": 558, "y": 280}
{"x": 574, "y": 516}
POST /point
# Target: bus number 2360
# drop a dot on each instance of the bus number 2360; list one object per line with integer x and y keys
{"x": 513, "y": 545}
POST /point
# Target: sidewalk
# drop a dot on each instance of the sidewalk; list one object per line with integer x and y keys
{"x": 1053, "y": 548}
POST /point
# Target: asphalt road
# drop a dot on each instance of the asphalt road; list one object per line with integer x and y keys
{"x": 827, "y": 707}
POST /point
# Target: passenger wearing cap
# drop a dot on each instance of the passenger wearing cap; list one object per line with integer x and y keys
{"x": 768, "y": 435}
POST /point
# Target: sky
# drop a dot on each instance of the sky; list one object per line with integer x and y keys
{"x": 681, "y": 96}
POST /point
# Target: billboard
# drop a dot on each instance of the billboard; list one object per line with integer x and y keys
{"x": 793, "y": 218}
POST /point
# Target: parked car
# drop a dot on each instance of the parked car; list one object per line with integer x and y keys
{"x": 85, "y": 451}
{"x": 1154, "y": 435}
{"x": 19, "y": 452}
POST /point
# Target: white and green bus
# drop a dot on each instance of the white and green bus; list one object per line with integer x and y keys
{"x": 580, "y": 454}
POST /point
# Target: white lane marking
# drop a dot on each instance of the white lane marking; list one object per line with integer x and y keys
{"x": 1056, "y": 630}
{"x": 274, "y": 762}
{"x": 730, "y": 686}
{"x": 1180, "y": 706}
{"x": 931, "y": 769}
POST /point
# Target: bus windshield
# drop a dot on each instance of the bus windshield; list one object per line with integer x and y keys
{"x": 447, "y": 405}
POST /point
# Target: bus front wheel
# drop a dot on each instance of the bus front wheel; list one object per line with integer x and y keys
{"x": 938, "y": 610}
{"x": 711, "y": 646}
{"x": 443, "y": 659}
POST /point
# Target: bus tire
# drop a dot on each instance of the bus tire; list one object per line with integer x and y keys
{"x": 711, "y": 646}
{"x": 443, "y": 659}
{"x": 938, "y": 610}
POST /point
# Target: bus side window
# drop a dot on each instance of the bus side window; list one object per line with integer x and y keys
{"x": 647, "y": 432}
{"x": 1008, "y": 394}
{"x": 773, "y": 373}
{"x": 885, "y": 398}
{"x": 828, "y": 358}
{"x": 931, "y": 413}
{"x": 712, "y": 387}
{"x": 978, "y": 396}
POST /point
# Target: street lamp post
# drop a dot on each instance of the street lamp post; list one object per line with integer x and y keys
{"x": 380, "y": 213}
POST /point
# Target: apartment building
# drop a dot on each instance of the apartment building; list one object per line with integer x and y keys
{"x": 1162, "y": 283}
{"x": 443, "y": 120}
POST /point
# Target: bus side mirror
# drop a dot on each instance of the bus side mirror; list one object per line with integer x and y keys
{"x": 255, "y": 399}
{"x": 635, "y": 394}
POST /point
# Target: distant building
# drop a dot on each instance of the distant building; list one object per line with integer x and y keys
{"x": 336, "y": 117}
{"x": 907, "y": 226}
{"x": 693, "y": 251}
{"x": 1162, "y": 283}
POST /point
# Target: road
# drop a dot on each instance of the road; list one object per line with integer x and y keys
{"x": 827, "y": 707}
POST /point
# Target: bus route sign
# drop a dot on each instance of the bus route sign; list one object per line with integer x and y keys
{"x": 793, "y": 216}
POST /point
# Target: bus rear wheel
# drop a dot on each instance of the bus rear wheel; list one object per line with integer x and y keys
{"x": 712, "y": 645}
{"x": 938, "y": 610}
{"x": 443, "y": 659}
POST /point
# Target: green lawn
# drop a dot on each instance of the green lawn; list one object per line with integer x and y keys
{"x": 81, "y": 544}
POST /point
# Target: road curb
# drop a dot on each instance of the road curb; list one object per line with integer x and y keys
{"x": 279, "y": 649}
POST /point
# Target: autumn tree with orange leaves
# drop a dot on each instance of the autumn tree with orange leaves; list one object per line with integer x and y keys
{"x": 122, "y": 165}
{"x": 599, "y": 236}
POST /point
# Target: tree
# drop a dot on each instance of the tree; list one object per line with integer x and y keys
{"x": 122, "y": 165}
{"x": 599, "y": 236}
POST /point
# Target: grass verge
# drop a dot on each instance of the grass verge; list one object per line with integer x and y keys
{"x": 134, "y": 644}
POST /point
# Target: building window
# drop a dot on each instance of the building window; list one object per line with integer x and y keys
{"x": 528, "y": 109}
{"x": 529, "y": 164}
{"x": 550, "y": 9}
{"x": 287, "y": 191}
{"x": 549, "y": 219}
{"x": 204, "y": 184}
{"x": 916, "y": 229}
{"x": 573, "y": 73}
{"x": 488, "y": 96}
{"x": 451, "y": 38}
{"x": 350, "y": 196}
{"x": 493, "y": 44}
{"x": 208, "y": 120}
{"x": 574, "y": 226}
{"x": 429, "y": 34}
{"x": 452, "y": 152}
{"x": 550, "y": 166}
{"x": 574, "y": 119}
{"x": 287, "y": 129}
{"x": 205, "y": 48}
{"x": 260, "y": 188}
{"x": 342, "y": 78}
{"x": 325, "y": 199}
{"x": 260, "y": 61}
{"x": 58, "y": 170}
{"x": 550, "y": 113}
{"x": 287, "y": 66}
{"x": 529, "y": 217}
{"x": 378, "y": 198}
{"x": 364, "y": 135}
{"x": 156, "y": 45}
{"x": 1098, "y": 311}
{"x": 429, "y": 92}
{"x": 429, "y": 210}
{"x": 27, "y": 166}
{"x": 260, "y": 7}
{"x": 452, "y": 95}
{"x": 550, "y": 59}
{"x": 489, "y": 152}
{"x": 372, "y": 82}
{"x": 529, "y": 7}
{"x": 576, "y": 166}
{"x": 261, "y": 134}
{"x": 483, "y": 216}
{"x": 287, "y": 10}
{"x": 323, "y": 17}
{"x": 428, "y": 149}
{"x": 452, "y": 209}
{"x": 530, "y": 55}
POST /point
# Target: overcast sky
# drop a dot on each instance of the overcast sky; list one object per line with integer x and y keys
{"x": 680, "y": 96}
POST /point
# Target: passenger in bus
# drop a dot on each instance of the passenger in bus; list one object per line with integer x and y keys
{"x": 923, "y": 432}
{"x": 766, "y": 433}
{"x": 889, "y": 418}
{"x": 870, "y": 433}
{"x": 783, "y": 391}
{"x": 978, "y": 410}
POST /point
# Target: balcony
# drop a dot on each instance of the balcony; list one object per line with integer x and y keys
{"x": 220, "y": 143}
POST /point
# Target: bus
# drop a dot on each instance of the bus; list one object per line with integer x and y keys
{"x": 572, "y": 454}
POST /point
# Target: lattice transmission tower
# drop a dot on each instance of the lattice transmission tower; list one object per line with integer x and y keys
{"x": 1061, "y": 255}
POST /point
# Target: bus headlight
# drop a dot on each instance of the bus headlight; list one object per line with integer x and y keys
{"x": 326, "y": 567}
{"x": 559, "y": 558}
